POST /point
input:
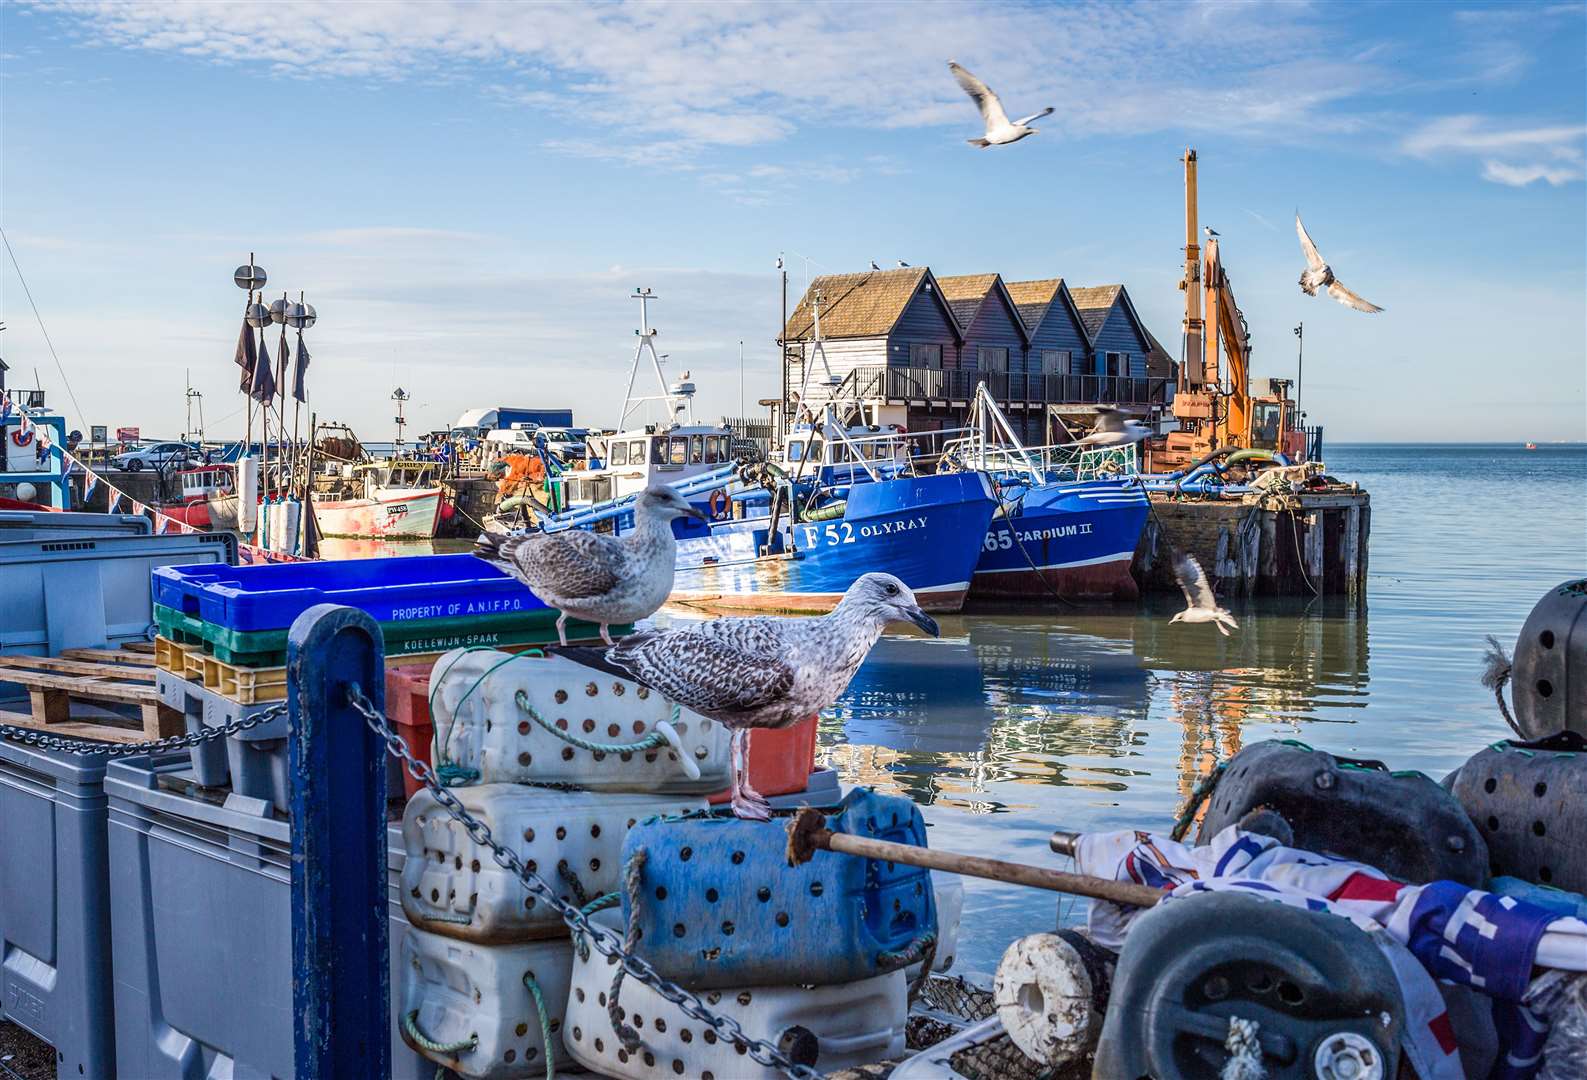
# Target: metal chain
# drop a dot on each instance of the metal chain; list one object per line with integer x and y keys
{"x": 91, "y": 748}
{"x": 603, "y": 940}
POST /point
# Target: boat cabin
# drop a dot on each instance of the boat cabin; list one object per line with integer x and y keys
{"x": 636, "y": 459}
{"x": 205, "y": 482}
{"x": 388, "y": 476}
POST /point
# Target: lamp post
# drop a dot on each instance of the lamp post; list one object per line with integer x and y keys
{"x": 399, "y": 396}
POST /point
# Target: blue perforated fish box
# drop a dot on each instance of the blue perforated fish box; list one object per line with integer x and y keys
{"x": 417, "y": 587}
{"x": 718, "y": 905}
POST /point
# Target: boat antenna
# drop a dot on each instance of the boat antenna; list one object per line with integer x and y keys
{"x": 678, "y": 400}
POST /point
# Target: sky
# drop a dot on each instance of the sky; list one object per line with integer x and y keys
{"x": 469, "y": 193}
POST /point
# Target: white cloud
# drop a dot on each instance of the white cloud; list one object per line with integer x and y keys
{"x": 628, "y": 79}
{"x": 1511, "y": 154}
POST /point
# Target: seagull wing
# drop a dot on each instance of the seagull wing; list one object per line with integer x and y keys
{"x": 1022, "y": 121}
{"x": 1314, "y": 261}
{"x": 1350, "y": 299}
{"x": 702, "y": 672}
{"x": 985, "y": 100}
{"x": 1193, "y": 582}
{"x": 568, "y": 565}
{"x": 1108, "y": 420}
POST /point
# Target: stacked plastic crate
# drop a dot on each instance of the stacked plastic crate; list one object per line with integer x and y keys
{"x": 221, "y": 650}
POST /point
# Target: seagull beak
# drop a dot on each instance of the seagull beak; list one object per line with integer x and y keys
{"x": 698, "y": 514}
{"x": 924, "y": 621}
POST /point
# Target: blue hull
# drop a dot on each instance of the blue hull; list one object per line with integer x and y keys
{"x": 1075, "y": 538}
{"x": 926, "y": 530}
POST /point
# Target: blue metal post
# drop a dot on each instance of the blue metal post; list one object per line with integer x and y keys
{"x": 340, "y": 976}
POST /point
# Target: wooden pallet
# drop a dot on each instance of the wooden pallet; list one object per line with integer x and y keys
{"x": 77, "y": 695}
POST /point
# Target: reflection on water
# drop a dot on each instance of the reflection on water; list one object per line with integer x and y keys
{"x": 1104, "y": 717}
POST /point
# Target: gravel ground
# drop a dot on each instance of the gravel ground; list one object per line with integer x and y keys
{"x": 23, "y": 1055}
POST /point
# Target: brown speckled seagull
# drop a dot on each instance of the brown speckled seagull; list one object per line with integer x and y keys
{"x": 762, "y": 671}
{"x": 593, "y": 576}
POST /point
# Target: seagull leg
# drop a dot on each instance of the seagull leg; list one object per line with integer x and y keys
{"x": 747, "y": 803}
{"x": 562, "y": 628}
{"x": 606, "y": 635}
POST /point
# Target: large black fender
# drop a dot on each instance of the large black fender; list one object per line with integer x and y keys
{"x": 1526, "y": 799}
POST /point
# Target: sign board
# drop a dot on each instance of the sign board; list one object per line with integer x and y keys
{"x": 96, "y": 433}
{"x": 126, "y": 434}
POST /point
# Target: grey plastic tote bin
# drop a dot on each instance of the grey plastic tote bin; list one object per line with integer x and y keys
{"x": 41, "y": 524}
{"x": 201, "y": 931}
{"x": 54, "y": 909}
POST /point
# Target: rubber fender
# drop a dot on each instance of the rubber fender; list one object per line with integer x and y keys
{"x": 1404, "y": 824}
{"x": 717, "y": 904}
{"x": 1526, "y": 800}
{"x": 1548, "y": 682}
{"x": 1309, "y": 980}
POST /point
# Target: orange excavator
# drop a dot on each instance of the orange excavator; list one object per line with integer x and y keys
{"x": 1212, "y": 397}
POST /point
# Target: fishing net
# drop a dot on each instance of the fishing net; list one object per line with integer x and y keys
{"x": 1000, "y": 1059}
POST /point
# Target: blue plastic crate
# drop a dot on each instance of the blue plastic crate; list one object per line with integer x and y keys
{"x": 719, "y": 906}
{"x": 390, "y": 590}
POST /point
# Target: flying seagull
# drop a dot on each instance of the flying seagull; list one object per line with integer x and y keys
{"x": 999, "y": 130}
{"x": 1319, "y": 274}
{"x": 1113, "y": 430}
{"x": 762, "y": 671}
{"x": 599, "y": 578}
{"x": 1200, "y": 604}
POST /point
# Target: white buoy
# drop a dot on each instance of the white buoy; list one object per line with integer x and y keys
{"x": 1044, "y": 999}
{"x": 247, "y": 495}
{"x": 26, "y": 492}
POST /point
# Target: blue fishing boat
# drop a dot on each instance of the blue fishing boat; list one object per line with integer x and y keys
{"x": 1067, "y": 522}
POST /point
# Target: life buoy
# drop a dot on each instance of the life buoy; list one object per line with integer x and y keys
{"x": 718, "y": 504}
{"x": 22, "y": 438}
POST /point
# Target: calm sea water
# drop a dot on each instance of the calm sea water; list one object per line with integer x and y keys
{"x": 1013, "y": 724}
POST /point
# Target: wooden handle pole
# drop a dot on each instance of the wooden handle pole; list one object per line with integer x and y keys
{"x": 806, "y": 834}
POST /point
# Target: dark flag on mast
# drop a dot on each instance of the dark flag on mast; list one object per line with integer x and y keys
{"x": 300, "y": 371}
{"x": 246, "y": 357}
{"x": 264, "y": 376}
{"x": 283, "y": 357}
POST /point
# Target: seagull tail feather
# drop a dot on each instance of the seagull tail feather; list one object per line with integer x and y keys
{"x": 593, "y": 657}
{"x": 982, "y": 143}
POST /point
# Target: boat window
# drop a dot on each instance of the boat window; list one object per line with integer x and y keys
{"x": 696, "y": 449}
{"x": 620, "y": 453}
{"x": 796, "y": 451}
{"x": 713, "y": 450}
{"x": 658, "y": 450}
{"x": 680, "y": 450}
{"x": 636, "y": 452}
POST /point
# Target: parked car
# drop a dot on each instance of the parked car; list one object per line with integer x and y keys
{"x": 155, "y": 456}
{"x": 565, "y": 443}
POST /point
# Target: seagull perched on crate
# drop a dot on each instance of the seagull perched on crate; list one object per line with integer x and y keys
{"x": 762, "y": 671}
{"x": 1200, "y": 603}
{"x": 1113, "y": 430}
{"x": 1000, "y": 131}
{"x": 591, "y": 576}
{"x": 1319, "y": 274}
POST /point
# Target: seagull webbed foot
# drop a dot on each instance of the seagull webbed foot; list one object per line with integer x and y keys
{"x": 750, "y": 805}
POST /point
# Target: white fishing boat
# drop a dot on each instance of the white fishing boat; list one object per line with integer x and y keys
{"x": 393, "y": 500}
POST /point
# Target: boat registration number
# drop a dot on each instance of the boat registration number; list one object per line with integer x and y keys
{"x": 846, "y": 532}
{"x": 1003, "y": 539}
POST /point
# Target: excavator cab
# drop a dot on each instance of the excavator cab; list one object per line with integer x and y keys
{"x": 1274, "y": 422}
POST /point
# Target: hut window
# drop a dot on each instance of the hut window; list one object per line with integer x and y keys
{"x": 1055, "y": 361}
{"x": 993, "y": 358}
{"x": 620, "y": 453}
{"x": 926, "y": 356}
{"x": 1117, "y": 363}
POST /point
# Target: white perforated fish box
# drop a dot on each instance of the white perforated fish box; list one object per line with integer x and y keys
{"x": 485, "y": 706}
{"x": 852, "y": 1023}
{"x": 476, "y": 1000}
{"x": 453, "y": 886}
{"x": 949, "y": 891}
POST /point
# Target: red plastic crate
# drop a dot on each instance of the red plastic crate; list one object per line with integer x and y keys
{"x": 408, "y": 705}
{"x": 780, "y": 759}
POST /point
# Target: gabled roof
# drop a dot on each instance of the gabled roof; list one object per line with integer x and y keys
{"x": 966, "y": 293}
{"x": 1094, "y": 303}
{"x": 1036, "y": 298}
{"x": 868, "y": 304}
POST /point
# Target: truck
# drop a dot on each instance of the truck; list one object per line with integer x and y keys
{"x": 477, "y": 423}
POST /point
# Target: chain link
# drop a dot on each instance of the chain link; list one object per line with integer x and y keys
{"x": 91, "y": 748}
{"x": 599, "y": 937}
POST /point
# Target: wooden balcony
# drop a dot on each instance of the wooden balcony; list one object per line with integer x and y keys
{"x": 903, "y": 385}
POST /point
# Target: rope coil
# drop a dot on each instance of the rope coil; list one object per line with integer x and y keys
{"x": 410, "y": 1028}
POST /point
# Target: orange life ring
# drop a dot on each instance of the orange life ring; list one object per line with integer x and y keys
{"x": 718, "y": 504}
{"x": 22, "y": 437}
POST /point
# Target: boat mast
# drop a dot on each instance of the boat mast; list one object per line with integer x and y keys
{"x": 647, "y": 344}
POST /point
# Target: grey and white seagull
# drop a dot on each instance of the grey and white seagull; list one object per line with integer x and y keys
{"x": 1000, "y": 131}
{"x": 1319, "y": 274}
{"x": 762, "y": 671}
{"x": 596, "y": 577}
{"x": 1200, "y": 604}
{"x": 1113, "y": 430}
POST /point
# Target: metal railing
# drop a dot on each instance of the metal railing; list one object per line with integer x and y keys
{"x": 950, "y": 384}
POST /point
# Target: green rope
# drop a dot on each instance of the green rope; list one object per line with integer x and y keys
{"x": 1296, "y": 743}
{"x": 600, "y": 903}
{"x": 649, "y": 742}
{"x": 545, "y": 1023}
{"x": 410, "y": 1027}
{"x": 1201, "y": 793}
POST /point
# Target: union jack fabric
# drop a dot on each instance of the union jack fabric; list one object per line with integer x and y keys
{"x": 1456, "y": 934}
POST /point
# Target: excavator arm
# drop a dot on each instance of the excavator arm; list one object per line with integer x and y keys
{"x": 1226, "y": 325}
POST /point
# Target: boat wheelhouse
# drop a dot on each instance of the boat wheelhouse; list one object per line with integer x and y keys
{"x": 398, "y": 499}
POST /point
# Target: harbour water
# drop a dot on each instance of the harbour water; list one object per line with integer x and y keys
{"x": 1019, "y": 721}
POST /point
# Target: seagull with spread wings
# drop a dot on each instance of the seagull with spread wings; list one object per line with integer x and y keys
{"x": 1319, "y": 274}
{"x": 762, "y": 671}
{"x": 1113, "y": 430}
{"x": 596, "y": 577}
{"x": 1200, "y": 604}
{"x": 1000, "y": 131}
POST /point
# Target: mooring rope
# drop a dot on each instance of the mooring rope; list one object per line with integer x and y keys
{"x": 631, "y": 875}
{"x": 545, "y": 1022}
{"x": 1198, "y": 795}
{"x": 410, "y": 1027}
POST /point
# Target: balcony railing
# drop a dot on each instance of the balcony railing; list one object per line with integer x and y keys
{"x": 932, "y": 384}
